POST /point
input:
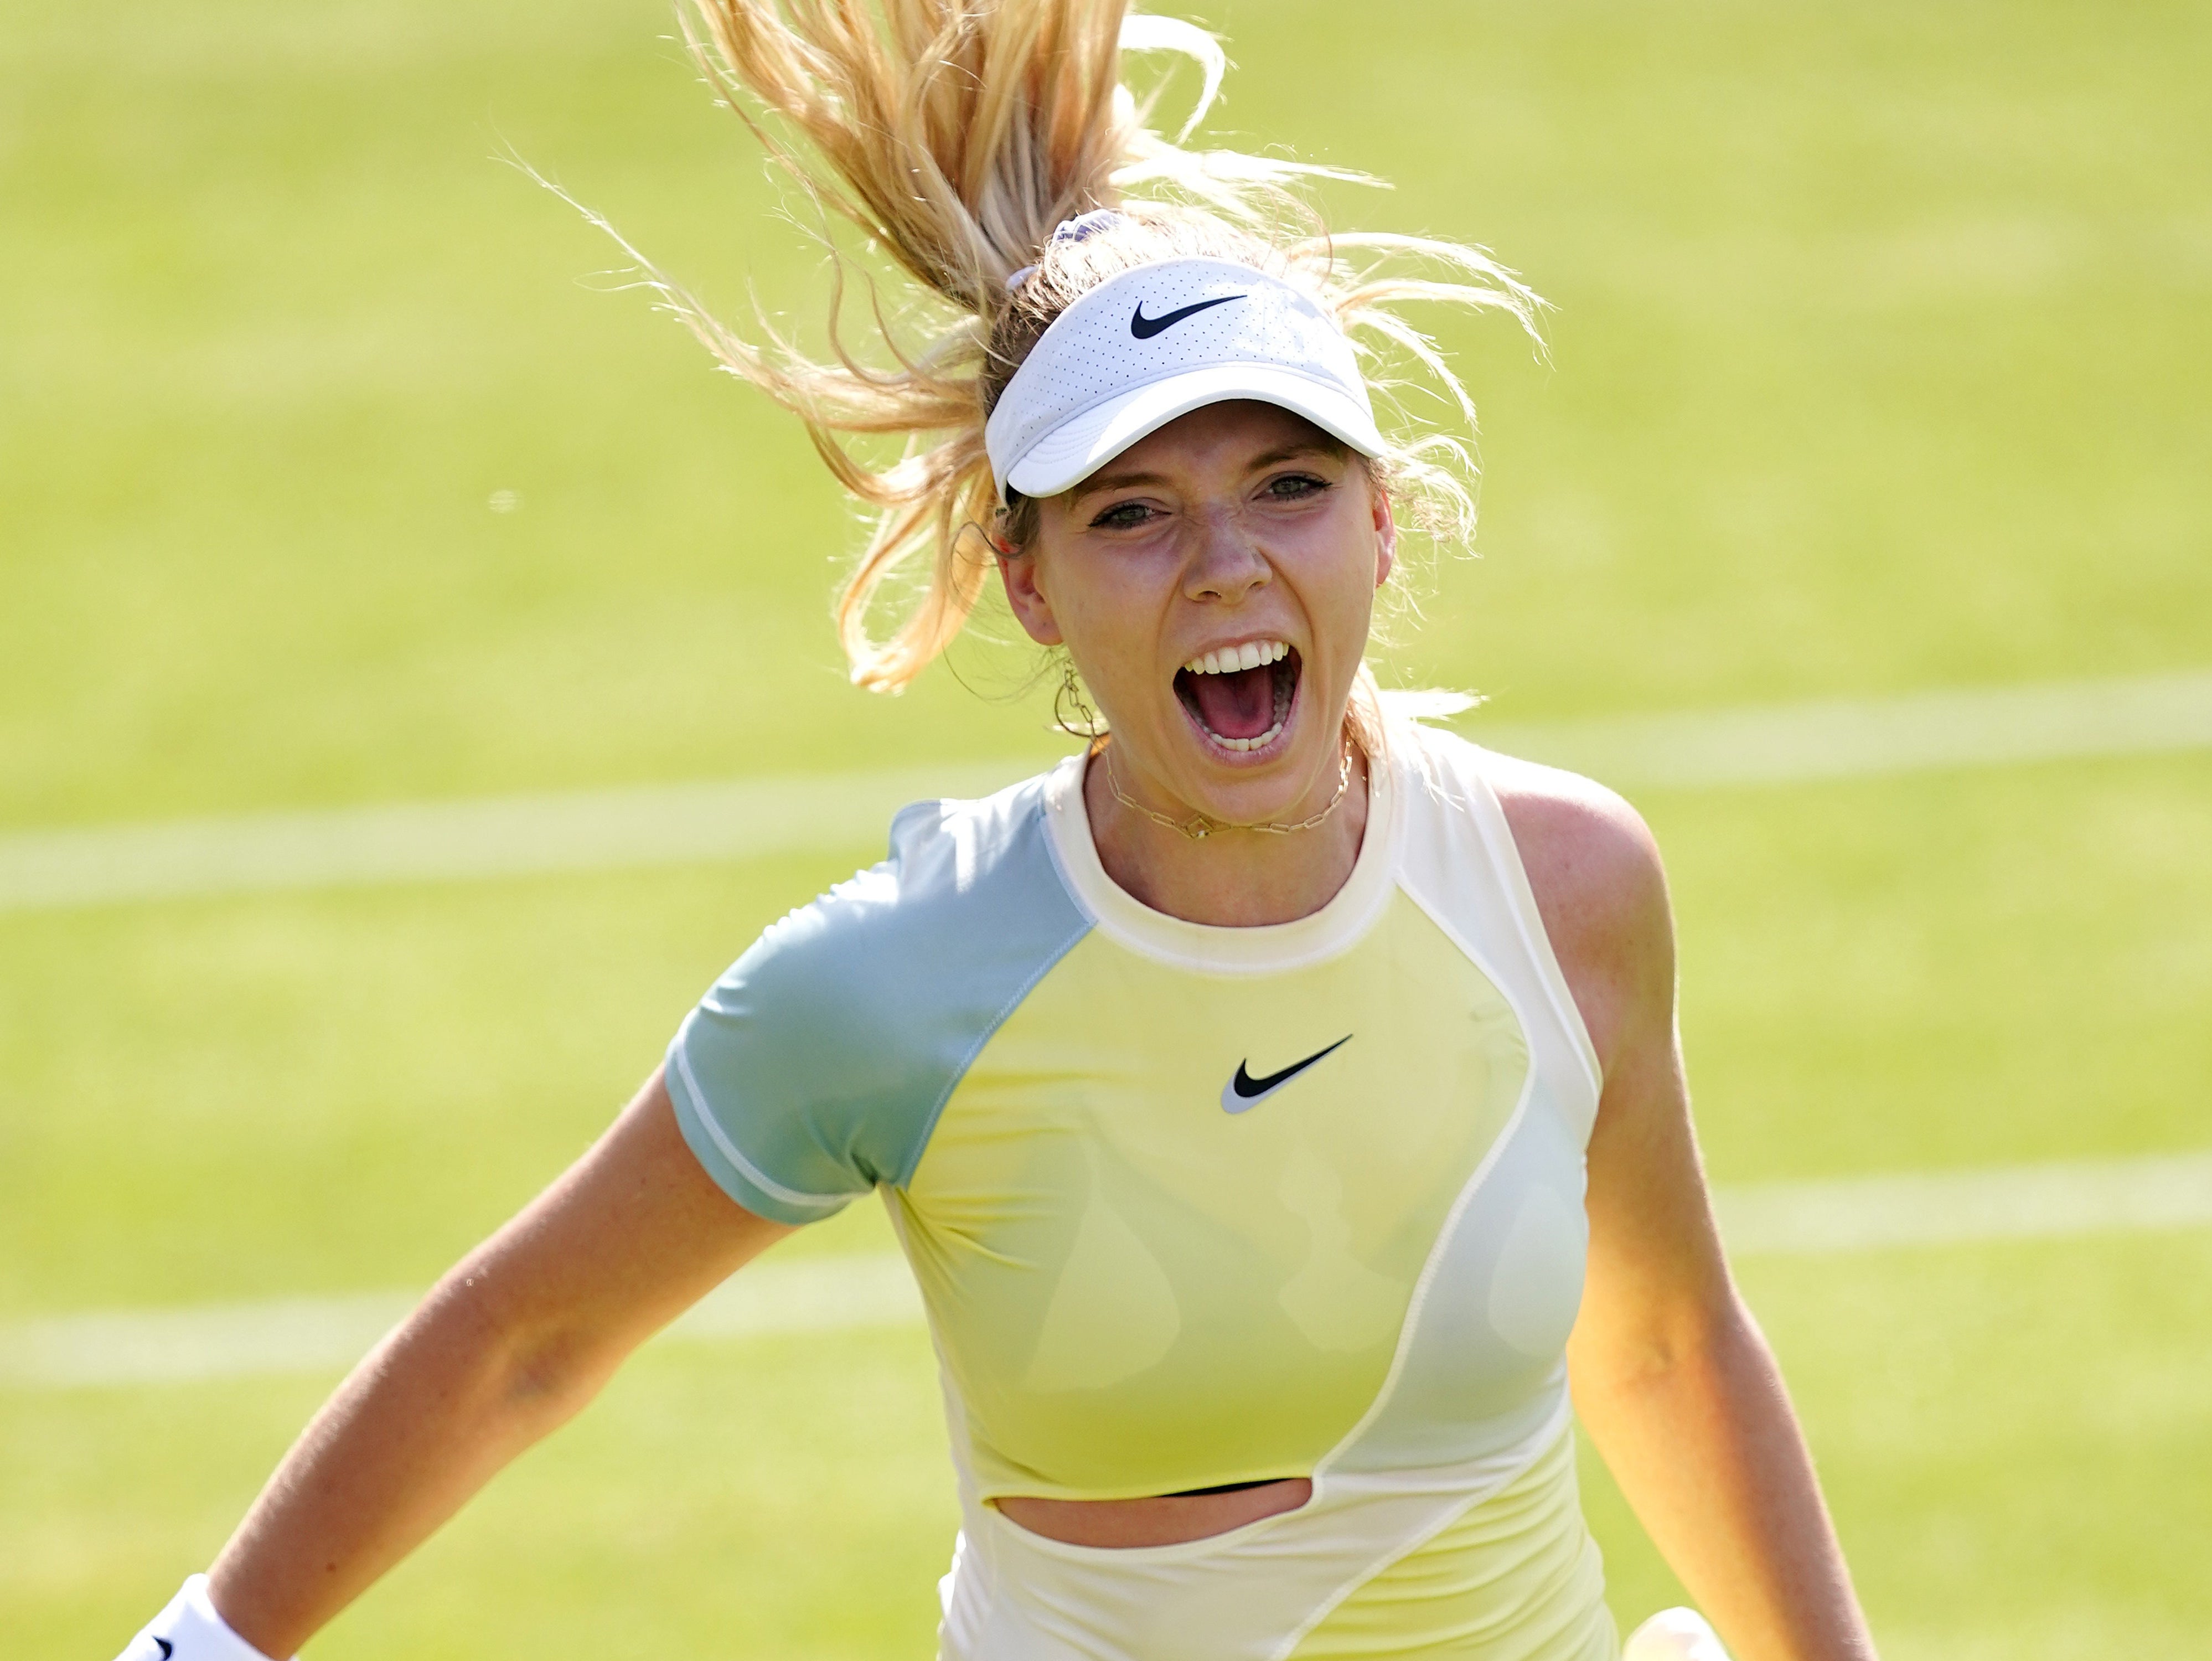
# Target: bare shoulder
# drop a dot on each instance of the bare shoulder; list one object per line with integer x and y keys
{"x": 1600, "y": 889}
{"x": 1583, "y": 846}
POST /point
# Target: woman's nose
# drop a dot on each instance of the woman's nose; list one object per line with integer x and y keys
{"x": 1227, "y": 564}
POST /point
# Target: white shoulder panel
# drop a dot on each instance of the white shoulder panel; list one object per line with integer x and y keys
{"x": 1460, "y": 864}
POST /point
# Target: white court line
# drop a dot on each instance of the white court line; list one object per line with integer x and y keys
{"x": 1956, "y": 1207}
{"x": 1859, "y": 737}
{"x": 277, "y": 1336}
{"x": 874, "y": 1290}
{"x": 690, "y": 824}
{"x": 461, "y": 841}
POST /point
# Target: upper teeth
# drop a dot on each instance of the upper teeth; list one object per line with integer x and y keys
{"x": 1231, "y": 660}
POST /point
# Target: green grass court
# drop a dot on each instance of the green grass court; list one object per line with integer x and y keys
{"x": 1878, "y": 366}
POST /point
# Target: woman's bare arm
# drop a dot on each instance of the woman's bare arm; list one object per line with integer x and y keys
{"x": 507, "y": 1347}
{"x": 1672, "y": 1377}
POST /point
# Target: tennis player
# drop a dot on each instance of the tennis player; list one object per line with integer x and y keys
{"x": 1278, "y": 1102}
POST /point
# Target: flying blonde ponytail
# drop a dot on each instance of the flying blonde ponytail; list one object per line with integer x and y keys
{"x": 956, "y": 135}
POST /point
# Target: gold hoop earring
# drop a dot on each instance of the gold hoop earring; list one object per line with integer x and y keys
{"x": 1070, "y": 693}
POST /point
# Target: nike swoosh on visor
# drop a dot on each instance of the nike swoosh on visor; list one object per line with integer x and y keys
{"x": 1145, "y": 327}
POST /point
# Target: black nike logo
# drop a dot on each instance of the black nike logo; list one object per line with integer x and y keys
{"x": 1244, "y": 1092}
{"x": 1145, "y": 327}
{"x": 168, "y": 1648}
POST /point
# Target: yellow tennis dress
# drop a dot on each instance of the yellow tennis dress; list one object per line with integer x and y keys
{"x": 1192, "y": 1206}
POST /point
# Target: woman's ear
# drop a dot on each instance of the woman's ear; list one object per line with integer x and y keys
{"x": 1018, "y": 571}
{"x": 1386, "y": 530}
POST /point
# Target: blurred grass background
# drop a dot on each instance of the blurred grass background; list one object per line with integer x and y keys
{"x": 1878, "y": 365}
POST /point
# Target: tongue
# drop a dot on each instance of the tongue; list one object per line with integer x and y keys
{"x": 1236, "y": 706}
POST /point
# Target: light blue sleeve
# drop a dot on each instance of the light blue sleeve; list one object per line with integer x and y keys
{"x": 816, "y": 1067}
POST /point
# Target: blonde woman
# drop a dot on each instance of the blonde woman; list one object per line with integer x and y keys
{"x": 1278, "y": 1103}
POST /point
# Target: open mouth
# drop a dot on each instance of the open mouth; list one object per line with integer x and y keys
{"x": 1241, "y": 695}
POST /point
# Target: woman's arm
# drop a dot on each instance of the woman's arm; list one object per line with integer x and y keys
{"x": 507, "y": 1347}
{"x": 1671, "y": 1376}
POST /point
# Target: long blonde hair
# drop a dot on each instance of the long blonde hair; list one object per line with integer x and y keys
{"x": 956, "y": 135}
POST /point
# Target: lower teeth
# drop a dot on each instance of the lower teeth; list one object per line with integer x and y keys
{"x": 1283, "y": 696}
{"x": 1259, "y": 743}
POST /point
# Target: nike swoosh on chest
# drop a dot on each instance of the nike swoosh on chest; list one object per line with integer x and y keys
{"x": 1244, "y": 1093}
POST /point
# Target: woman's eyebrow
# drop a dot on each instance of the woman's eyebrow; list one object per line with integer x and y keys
{"x": 1091, "y": 487}
{"x": 1288, "y": 453}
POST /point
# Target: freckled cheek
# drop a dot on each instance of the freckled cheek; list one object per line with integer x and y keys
{"x": 1116, "y": 617}
{"x": 1338, "y": 598}
{"x": 1115, "y": 638}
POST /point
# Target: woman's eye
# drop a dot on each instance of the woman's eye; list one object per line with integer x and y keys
{"x": 1290, "y": 486}
{"x": 1121, "y": 517}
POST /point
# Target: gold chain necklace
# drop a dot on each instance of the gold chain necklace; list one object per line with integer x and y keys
{"x": 1199, "y": 827}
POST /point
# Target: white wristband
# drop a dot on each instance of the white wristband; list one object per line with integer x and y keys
{"x": 189, "y": 1630}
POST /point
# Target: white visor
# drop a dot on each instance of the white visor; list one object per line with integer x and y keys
{"x": 1159, "y": 341}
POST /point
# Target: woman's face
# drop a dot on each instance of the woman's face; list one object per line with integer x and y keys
{"x": 1213, "y": 583}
